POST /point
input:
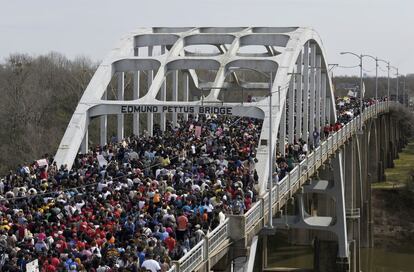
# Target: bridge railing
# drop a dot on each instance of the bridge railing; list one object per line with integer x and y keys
{"x": 200, "y": 253}
{"x": 217, "y": 236}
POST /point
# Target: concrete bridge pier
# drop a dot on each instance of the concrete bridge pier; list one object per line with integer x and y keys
{"x": 365, "y": 188}
{"x": 383, "y": 147}
{"x": 384, "y": 141}
{"x": 326, "y": 222}
{"x": 352, "y": 202}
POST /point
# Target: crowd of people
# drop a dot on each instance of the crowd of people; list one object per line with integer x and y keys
{"x": 133, "y": 205}
{"x": 346, "y": 107}
{"x": 138, "y": 204}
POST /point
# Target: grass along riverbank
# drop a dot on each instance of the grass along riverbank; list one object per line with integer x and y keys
{"x": 401, "y": 175}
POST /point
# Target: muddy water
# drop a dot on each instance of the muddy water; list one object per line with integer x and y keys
{"x": 283, "y": 255}
{"x": 381, "y": 260}
{"x": 372, "y": 260}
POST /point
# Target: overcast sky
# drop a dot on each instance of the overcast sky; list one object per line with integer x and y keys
{"x": 92, "y": 27}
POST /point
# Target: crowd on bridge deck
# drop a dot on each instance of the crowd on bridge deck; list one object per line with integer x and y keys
{"x": 134, "y": 205}
{"x": 347, "y": 108}
{"x": 139, "y": 203}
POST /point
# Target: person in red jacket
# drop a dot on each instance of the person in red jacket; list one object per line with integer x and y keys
{"x": 170, "y": 242}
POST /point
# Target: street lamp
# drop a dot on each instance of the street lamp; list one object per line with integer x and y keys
{"x": 404, "y": 94}
{"x": 331, "y": 67}
{"x": 388, "y": 78}
{"x": 360, "y": 84}
{"x": 395, "y": 68}
{"x": 376, "y": 74}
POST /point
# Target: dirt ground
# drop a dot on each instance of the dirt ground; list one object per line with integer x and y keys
{"x": 393, "y": 212}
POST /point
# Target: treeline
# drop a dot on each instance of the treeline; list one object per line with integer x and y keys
{"x": 382, "y": 85}
{"x": 38, "y": 97}
{"x": 39, "y": 94}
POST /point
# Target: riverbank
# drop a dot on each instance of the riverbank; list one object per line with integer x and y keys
{"x": 393, "y": 205}
{"x": 393, "y": 219}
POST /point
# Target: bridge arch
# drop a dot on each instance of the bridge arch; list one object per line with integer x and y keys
{"x": 295, "y": 62}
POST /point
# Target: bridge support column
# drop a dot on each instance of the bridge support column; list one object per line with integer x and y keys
{"x": 365, "y": 185}
{"x": 312, "y": 93}
{"x": 325, "y": 105}
{"x": 324, "y": 254}
{"x": 305, "y": 127}
{"x": 163, "y": 97}
{"x": 322, "y": 222}
{"x": 338, "y": 209}
{"x": 120, "y": 117}
{"x": 352, "y": 203}
{"x": 135, "y": 94}
{"x": 186, "y": 91}
{"x": 84, "y": 148}
{"x": 291, "y": 112}
{"x": 150, "y": 115}
{"x": 318, "y": 92}
{"x": 385, "y": 142}
{"x": 103, "y": 123}
{"x": 174, "y": 94}
{"x": 382, "y": 158}
{"x": 282, "y": 131}
{"x": 349, "y": 174}
{"x": 299, "y": 99}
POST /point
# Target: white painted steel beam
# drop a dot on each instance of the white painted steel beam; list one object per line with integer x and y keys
{"x": 282, "y": 131}
{"x": 150, "y": 116}
{"x": 186, "y": 91}
{"x": 174, "y": 95}
{"x": 135, "y": 96}
{"x": 305, "y": 122}
{"x": 163, "y": 97}
{"x": 291, "y": 117}
{"x": 103, "y": 123}
{"x": 312, "y": 89}
{"x": 85, "y": 145}
{"x": 298, "y": 100}
{"x": 318, "y": 92}
{"x": 324, "y": 99}
{"x": 120, "y": 117}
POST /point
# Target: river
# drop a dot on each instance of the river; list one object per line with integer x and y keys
{"x": 381, "y": 260}
{"x": 372, "y": 259}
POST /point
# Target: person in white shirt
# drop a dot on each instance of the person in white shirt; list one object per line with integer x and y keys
{"x": 222, "y": 217}
{"x": 151, "y": 264}
{"x": 305, "y": 148}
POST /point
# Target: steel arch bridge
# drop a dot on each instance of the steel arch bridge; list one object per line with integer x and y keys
{"x": 170, "y": 71}
{"x": 294, "y": 59}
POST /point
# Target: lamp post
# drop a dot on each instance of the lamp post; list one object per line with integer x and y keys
{"x": 395, "y": 68}
{"x": 376, "y": 73}
{"x": 388, "y": 77}
{"x": 404, "y": 94}
{"x": 331, "y": 67}
{"x": 361, "y": 83}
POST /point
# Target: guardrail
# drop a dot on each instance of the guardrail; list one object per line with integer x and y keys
{"x": 207, "y": 247}
{"x": 217, "y": 236}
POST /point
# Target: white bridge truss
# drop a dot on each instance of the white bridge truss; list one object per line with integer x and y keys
{"x": 161, "y": 59}
{"x": 293, "y": 59}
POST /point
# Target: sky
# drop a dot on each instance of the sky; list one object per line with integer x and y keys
{"x": 92, "y": 27}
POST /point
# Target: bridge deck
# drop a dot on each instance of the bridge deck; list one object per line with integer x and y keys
{"x": 251, "y": 223}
